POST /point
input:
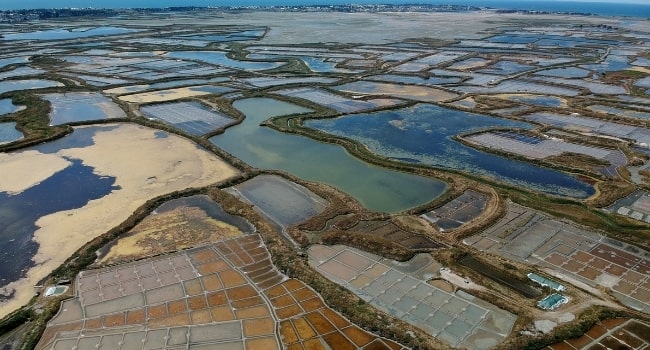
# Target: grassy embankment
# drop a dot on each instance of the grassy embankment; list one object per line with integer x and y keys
{"x": 609, "y": 189}
{"x": 32, "y": 122}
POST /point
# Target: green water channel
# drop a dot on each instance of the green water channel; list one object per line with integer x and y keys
{"x": 376, "y": 188}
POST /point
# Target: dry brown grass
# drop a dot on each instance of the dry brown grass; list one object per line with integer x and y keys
{"x": 610, "y": 191}
{"x": 575, "y": 160}
{"x": 368, "y": 243}
{"x": 645, "y": 176}
{"x": 617, "y": 227}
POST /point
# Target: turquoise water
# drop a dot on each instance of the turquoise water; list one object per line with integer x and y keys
{"x": 76, "y": 107}
{"x": 416, "y": 80}
{"x": 8, "y": 133}
{"x": 14, "y": 60}
{"x": 611, "y": 63}
{"x": 506, "y": 67}
{"x": 315, "y": 64}
{"x": 546, "y": 101}
{"x": 568, "y": 72}
{"x": 219, "y": 58}
{"x": 7, "y": 107}
{"x": 319, "y": 65}
{"x": 376, "y": 188}
{"x": 17, "y": 85}
{"x": 283, "y": 201}
{"x": 423, "y": 134}
{"x": 60, "y": 34}
{"x": 171, "y": 84}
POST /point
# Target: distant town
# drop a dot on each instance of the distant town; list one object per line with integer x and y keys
{"x": 17, "y": 16}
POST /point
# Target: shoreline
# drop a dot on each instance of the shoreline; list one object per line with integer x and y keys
{"x": 23, "y": 174}
{"x": 140, "y": 177}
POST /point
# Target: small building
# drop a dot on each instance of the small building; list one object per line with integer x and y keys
{"x": 545, "y": 282}
{"x": 53, "y": 291}
{"x": 552, "y": 301}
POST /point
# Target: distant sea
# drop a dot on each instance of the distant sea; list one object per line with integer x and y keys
{"x": 598, "y": 8}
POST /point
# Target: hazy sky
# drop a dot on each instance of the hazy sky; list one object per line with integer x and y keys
{"x": 18, "y": 4}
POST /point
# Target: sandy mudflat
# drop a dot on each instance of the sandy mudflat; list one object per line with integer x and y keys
{"x": 420, "y": 93}
{"x": 164, "y": 95}
{"x": 144, "y": 167}
{"x": 169, "y": 231}
{"x": 111, "y": 109}
{"x": 125, "y": 89}
{"x": 509, "y": 96}
{"x": 23, "y": 170}
{"x": 641, "y": 69}
{"x": 367, "y": 28}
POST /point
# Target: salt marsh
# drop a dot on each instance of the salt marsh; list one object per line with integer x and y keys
{"x": 424, "y": 134}
{"x": 8, "y": 133}
{"x": 376, "y": 188}
{"x": 81, "y": 106}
